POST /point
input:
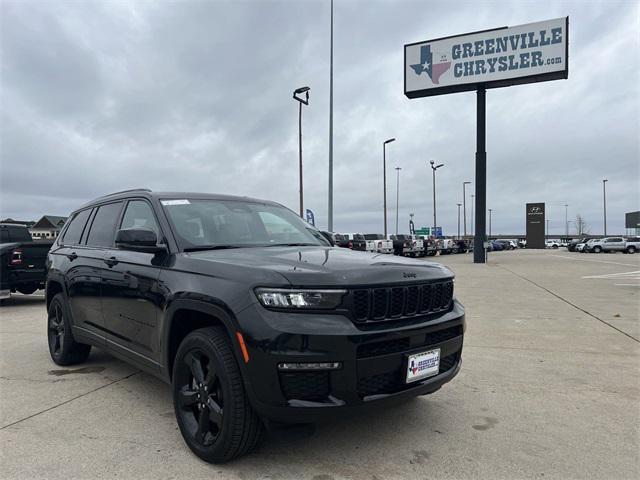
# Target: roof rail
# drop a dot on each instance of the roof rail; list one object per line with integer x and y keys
{"x": 126, "y": 191}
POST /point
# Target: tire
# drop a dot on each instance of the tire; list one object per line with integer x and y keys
{"x": 63, "y": 348}
{"x": 555, "y": 247}
{"x": 597, "y": 249}
{"x": 631, "y": 249}
{"x": 27, "y": 289}
{"x": 227, "y": 427}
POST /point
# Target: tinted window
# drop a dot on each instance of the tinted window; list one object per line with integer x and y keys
{"x": 103, "y": 228}
{"x": 139, "y": 215}
{"x": 237, "y": 223}
{"x": 74, "y": 230}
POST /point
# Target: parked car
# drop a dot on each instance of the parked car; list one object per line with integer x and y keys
{"x": 552, "y": 244}
{"x": 584, "y": 247}
{"x": 354, "y": 241}
{"x": 496, "y": 246}
{"x": 377, "y": 243}
{"x": 430, "y": 245}
{"x": 506, "y": 244}
{"x": 632, "y": 245}
{"x": 22, "y": 260}
{"x": 607, "y": 244}
{"x": 522, "y": 243}
{"x": 575, "y": 242}
{"x": 418, "y": 246}
{"x": 248, "y": 312}
{"x": 402, "y": 245}
{"x": 447, "y": 245}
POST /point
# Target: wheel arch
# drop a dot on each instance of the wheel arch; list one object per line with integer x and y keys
{"x": 53, "y": 288}
{"x": 186, "y": 315}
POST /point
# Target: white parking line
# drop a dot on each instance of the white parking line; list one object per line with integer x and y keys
{"x": 620, "y": 276}
{"x": 596, "y": 261}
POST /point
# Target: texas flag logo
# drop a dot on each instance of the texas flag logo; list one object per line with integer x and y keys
{"x": 434, "y": 64}
{"x": 412, "y": 368}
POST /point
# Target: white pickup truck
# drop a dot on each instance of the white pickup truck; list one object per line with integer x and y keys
{"x": 377, "y": 243}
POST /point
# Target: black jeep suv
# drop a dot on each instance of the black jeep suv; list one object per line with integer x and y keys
{"x": 248, "y": 311}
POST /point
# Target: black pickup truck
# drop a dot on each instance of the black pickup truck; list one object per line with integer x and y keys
{"x": 248, "y": 312}
{"x": 22, "y": 261}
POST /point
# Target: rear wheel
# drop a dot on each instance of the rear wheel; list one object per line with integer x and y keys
{"x": 211, "y": 406}
{"x": 631, "y": 249}
{"x": 63, "y": 348}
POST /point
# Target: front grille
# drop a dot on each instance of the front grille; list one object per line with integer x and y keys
{"x": 311, "y": 386}
{"x": 386, "y": 347}
{"x": 393, "y": 382}
{"x": 374, "y": 304}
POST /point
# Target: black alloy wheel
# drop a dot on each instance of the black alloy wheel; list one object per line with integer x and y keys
{"x": 200, "y": 398}
{"x": 56, "y": 331}
{"x": 63, "y": 347}
{"x": 212, "y": 409}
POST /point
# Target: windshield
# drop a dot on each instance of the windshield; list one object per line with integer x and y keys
{"x": 202, "y": 224}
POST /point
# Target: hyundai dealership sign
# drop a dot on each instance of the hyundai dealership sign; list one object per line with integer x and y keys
{"x": 501, "y": 57}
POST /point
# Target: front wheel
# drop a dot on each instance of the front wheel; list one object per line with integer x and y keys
{"x": 211, "y": 406}
{"x": 63, "y": 348}
{"x": 597, "y": 249}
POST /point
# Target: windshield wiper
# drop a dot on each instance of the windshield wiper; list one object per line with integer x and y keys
{"x": 211, "y": 247}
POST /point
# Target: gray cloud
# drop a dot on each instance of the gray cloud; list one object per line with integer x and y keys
{"x": 196, "y": 96}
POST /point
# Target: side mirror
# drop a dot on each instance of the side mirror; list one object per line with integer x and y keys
{"x": 329, "y": 238}
{"x": 138, "y": 240}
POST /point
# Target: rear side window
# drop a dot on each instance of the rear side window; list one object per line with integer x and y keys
{"x": 139, "y": 215}
{"x": 103, "y": 228}
{"x": 75, "y": 228}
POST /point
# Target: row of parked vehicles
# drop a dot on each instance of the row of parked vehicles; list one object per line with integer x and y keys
{"x": 605, "y": 245}
{"x": 403, "y": 245}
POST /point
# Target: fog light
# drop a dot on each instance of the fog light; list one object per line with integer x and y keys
{"x": 310, "y": 366}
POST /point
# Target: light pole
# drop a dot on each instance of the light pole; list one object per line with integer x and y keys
{"x": 434, "y": 168}
{"x": 384, "y": 180}
{"x": 464, "y": 207}
{"x": 305, "y": 101}
{"x": 547, "y": 229}
{"x": 472, "y": 202}
{"x": 459, "y": 205}
{"x": 490, "y": 210}
{"x": 330, "y": 209}
{"x": 397, "y": 195}
{"x": 604, "y": 198}
{"x": 566, "y": 222}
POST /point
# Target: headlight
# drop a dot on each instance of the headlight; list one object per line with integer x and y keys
{"x": 300, "y": 299}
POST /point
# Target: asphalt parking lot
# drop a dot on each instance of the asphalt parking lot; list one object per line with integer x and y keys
{"x": 549, "y": 388}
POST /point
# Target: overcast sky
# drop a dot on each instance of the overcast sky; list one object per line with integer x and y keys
{"x": 196, "y": 96}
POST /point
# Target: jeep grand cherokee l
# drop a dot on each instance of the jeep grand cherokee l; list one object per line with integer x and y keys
{"x": 248, "y": 312}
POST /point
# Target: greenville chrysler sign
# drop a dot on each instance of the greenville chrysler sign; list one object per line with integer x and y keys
{"x": 500, "y": 57}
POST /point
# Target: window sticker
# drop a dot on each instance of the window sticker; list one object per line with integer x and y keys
{"x": 168, "y": 203}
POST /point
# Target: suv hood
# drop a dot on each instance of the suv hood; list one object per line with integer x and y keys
{"x": 328, "y": 266}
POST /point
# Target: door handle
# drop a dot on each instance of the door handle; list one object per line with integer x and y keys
{"x": 72, "y": 256}
{"x": 111, "y": 261}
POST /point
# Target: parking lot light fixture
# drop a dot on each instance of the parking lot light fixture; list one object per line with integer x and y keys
{"x": 384, "y": 180}
{"x": 397, "y": 195}
{"x": 434, "y": 167}
{"x": 459, "y": 205}
{"x": 303, "y": 101}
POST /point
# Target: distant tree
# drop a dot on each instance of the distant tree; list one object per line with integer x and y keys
{"x": 581, "y": 226}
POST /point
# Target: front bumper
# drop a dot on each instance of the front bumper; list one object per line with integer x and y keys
{"x": 373, "y": 361}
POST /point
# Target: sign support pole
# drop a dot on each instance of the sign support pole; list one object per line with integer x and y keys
{"x": 480, "y": 237}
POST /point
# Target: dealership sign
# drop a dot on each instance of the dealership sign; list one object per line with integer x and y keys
{"x": 501, "y": 57}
